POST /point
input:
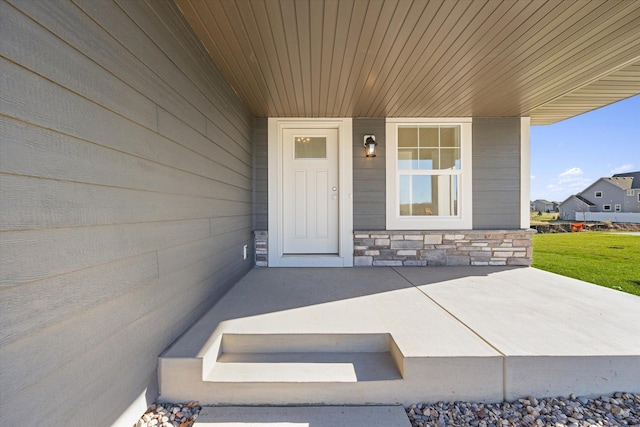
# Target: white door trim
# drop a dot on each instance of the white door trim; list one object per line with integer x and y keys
{"x": 345, "y": 195}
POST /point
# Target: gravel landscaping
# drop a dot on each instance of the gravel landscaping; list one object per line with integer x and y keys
{"x": 621, "y": 409}
{"x": 170, "y": 415}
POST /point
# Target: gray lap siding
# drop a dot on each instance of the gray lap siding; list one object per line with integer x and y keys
{"x": 126, "y": 179}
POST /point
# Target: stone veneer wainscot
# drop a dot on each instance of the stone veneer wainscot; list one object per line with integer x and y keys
{"x": 261, "y": 241}
{"x": 422, "y": 248}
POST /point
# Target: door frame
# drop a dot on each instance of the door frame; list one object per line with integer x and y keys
{"x": 344, "y": 258}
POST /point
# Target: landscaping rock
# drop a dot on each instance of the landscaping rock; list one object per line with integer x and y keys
{"x": 170, "y": 415}
{"x": 617, "y": 410}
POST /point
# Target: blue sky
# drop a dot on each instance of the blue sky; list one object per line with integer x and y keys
{"x": 568, "y": 156}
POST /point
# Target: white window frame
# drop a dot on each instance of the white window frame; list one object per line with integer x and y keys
{"x": 596, "y": 194}
{"x": 630, "y": 193}
{"x": 464, "y": 219}
{"x": 617, "y": 207}
{"x": 606, "y": 208}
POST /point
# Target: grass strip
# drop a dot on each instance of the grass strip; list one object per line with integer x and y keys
{"x": 610, "y": 260}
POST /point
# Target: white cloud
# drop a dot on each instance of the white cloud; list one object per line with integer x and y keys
{"x": 571, "y": 172}
{"x": 624, "y": 168}
{"x": 571, "y": 181}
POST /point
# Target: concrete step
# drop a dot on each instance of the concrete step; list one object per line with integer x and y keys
{"x": 324, "y": 369}
{"x": 303, "y": 367}
{"x": 305, "y": 343}
{"x": 316, "y": 416}
{"x": 305, "y": 358}
{"x": 287, "y": 337}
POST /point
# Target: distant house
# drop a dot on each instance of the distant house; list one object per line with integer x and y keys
{"x": 618, "y": 194}
{"x": 542, "y": 205}
{"x": 575, "y": 204}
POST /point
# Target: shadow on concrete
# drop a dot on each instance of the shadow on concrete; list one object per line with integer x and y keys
{"x": 271, "y": 290}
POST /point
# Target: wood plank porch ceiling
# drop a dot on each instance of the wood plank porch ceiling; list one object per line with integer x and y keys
{"x": 416, "y": 58}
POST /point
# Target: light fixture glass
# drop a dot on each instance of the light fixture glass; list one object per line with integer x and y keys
{"x": 370, "y": 145}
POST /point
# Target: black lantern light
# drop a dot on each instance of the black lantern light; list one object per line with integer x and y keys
{"x": 370, "y": 145}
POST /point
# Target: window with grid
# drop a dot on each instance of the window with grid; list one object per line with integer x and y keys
{"x": 428, "y": 164}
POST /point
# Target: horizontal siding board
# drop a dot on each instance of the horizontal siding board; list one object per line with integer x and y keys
{"x": 172, "y": 259}
{"x": 180, "y": 50}
{"x": 260, "y": 142}
{"x": 262, "y": 223}
{"x": 33, "y": 306}
{"x": 369, "y": 198}
{"x": 510, "y": 185}
{"x": 75, "y": 349}
{"x": 499, "y": 163}
{"x": 369, "y": 185}
{"x": 372, "y": 174}
{"x": 36, "y": 254}
{"x": 43, "y": 203}
{"x": 487, "y": 174}
{"x": 40, "y": 152}
{"x": 57, "y": 61}
{"x": 260, "y": 150}
{"x": 260, "y": 200}
{"x": 240, "y": 147}
{"x": 496, "y": 221}
{"x": 261, "y": 187}
{"x": 160, "y": 326}
{"x": 497, "y": 150}
{"x": 223, "y": 225}
{"x": 369, "y": 179}
{"x": 369, "y": 222}
{"x": 116, "y": 237}
{"x": 68, "y": 22}
{"x": 144, "y": 385}
{"x": 176, "y": 130}
{"x": 504, "y": 197}
{"x": 126, "y": 32}
{"x": 175, "y": 23}
{"x": 496, "y": 172}
{"x": 33, "y": 99}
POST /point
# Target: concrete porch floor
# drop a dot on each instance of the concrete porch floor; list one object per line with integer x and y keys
{"x": 364, "y": 336}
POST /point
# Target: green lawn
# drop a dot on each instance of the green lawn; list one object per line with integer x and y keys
{"x": 611, "y": 260}
{"x": 545, "y": 217}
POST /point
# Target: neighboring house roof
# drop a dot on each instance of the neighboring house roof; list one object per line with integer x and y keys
{"x": 576, "y": 196}
{"x": 622, "y": 182}
{"x": 634, "y": 175}
{"x": 625, "y": 181}
{"x": 402, "y": 58}
{"x": 543, "y": 201}
{"x": 582, "y": 199}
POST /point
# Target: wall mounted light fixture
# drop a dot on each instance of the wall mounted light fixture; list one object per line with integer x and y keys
{"x": 370, "y": 145}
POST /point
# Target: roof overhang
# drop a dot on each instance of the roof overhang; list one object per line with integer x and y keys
{"x": 549, "y": 60}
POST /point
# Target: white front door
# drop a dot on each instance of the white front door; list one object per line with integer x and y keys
{"x": 310, "y": 191}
